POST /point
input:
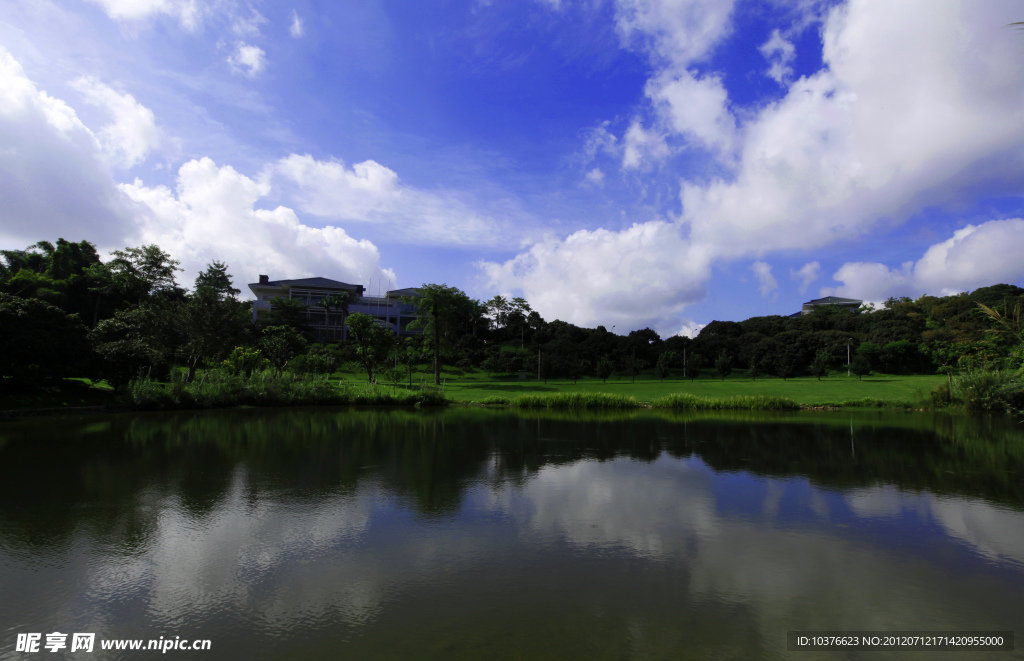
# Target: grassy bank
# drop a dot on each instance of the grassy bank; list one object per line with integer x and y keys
{"x": 348, "y": 386}
{"x": 681, "y": 401}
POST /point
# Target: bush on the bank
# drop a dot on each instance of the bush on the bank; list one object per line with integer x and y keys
{"x": 989, "y": 390}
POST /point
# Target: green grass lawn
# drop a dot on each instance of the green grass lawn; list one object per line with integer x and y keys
{"x": 476, "y": 386}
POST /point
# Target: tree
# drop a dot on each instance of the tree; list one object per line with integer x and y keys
{"x": 693, "y": 367}
{"x": 785, "y": 367}
{"x": 134, "y": 342}
{"x": 605, "y": 368}
{"x": 723, "y": 364}
{"x": 410, "y": 354}
{"x": 441, "y": 311}
{"x": 142, "y": 272}
{"x": 517, "y": 314}
{"x": 41, "y": 342}
{"x": 498, "y": 308}
{"x": 209, "y": 327}
{"x": 631, "y": 366}
{"x": 216, "y": 279}
{"x": 754, "y": 368}
{"x": 663, "y": 368}
{"x": 576, "y": 367}
{"x": 317, "y": 360}
{"x": 374, "y": 343}
{"x": 290, "y": 312}
{"x": 819, "y": 367}
{"x": 337, "y": 302}
{"x": 280, "y": 344}
{"x": 860, "y": 365}
{"x": 210, "y": 321}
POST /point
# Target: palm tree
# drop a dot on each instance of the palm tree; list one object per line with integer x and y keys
{"x": 338, "y": 302}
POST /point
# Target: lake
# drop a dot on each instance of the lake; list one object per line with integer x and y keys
{"x": 470, "y": 533}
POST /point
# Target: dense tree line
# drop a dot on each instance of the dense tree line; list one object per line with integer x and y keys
{"x": 64, "y": 312}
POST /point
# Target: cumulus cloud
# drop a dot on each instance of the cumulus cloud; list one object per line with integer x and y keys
{"x": 295, "y": 29}
{"x": 369, "y": 192}
{"x": 696, "y": 108}
{"x": 643, "y": 275}
{"x": 595, "y": 177}
{"x": 975, "y": 256}
{"x": 55, "y": 181}
{"x": 690, "y": 329}
{"x": 642, "y": 147}
{"x": 212, "y": 215}
{"x": 248, "y": 60}
{"x": 780, "y": 54}
{"x": 133, "y": 133}
{"x": 806, "y": 274}
{"x": 186, "y": 11}
{"x": 766, "y": 281}
{"x": 916, "y": 105}
{"x": 674, "y": 32}
{"x": 53, "y": 171}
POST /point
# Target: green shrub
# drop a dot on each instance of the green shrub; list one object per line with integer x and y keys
{"x": 984, "y": 390}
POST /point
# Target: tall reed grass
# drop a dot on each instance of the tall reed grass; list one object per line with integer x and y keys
{"x": 740, "y": 402}
{"x": 577, "y": 400}
{"x": 218, "y": 389}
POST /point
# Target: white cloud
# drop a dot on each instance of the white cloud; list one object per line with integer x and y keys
{"x": 53, "y": 173}
{"x": 212, "y": 215}
{"x": 596, "y": 177}
{"x": 132, "y": 135}
{"x": 690, "y": 329}
{"x": 766, "y": 281}
{"x": 186, "y": 11}
{"x": 597, "y": 141}
{"x": 676, "y": 34}
{"x": 369, "y": 192}
{"x": 55, "y": 181}
{"x": 780, "y": 54}
{"x": 673, "y": 32}
{"x": 806, "y": 274}
{"x": 975, "y": 256}
{"x": 641, "y": 276}
{"x": 248, "y": 60}
{"x": 696, "y": 108}
{"x": 248, "y": 26}
{"x": 295, "y": 29}
{"x": 917, "y": 103}
{"x": 642, "y": 147}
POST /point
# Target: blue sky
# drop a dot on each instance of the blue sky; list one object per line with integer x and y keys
{"x": 632, "y": 163}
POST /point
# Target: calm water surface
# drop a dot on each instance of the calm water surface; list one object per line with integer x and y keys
{"x": 308, "y": 534}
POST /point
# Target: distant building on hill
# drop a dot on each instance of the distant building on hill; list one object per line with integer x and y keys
{"x": 850, "y": 304}
{"x": 327, "y": 324}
